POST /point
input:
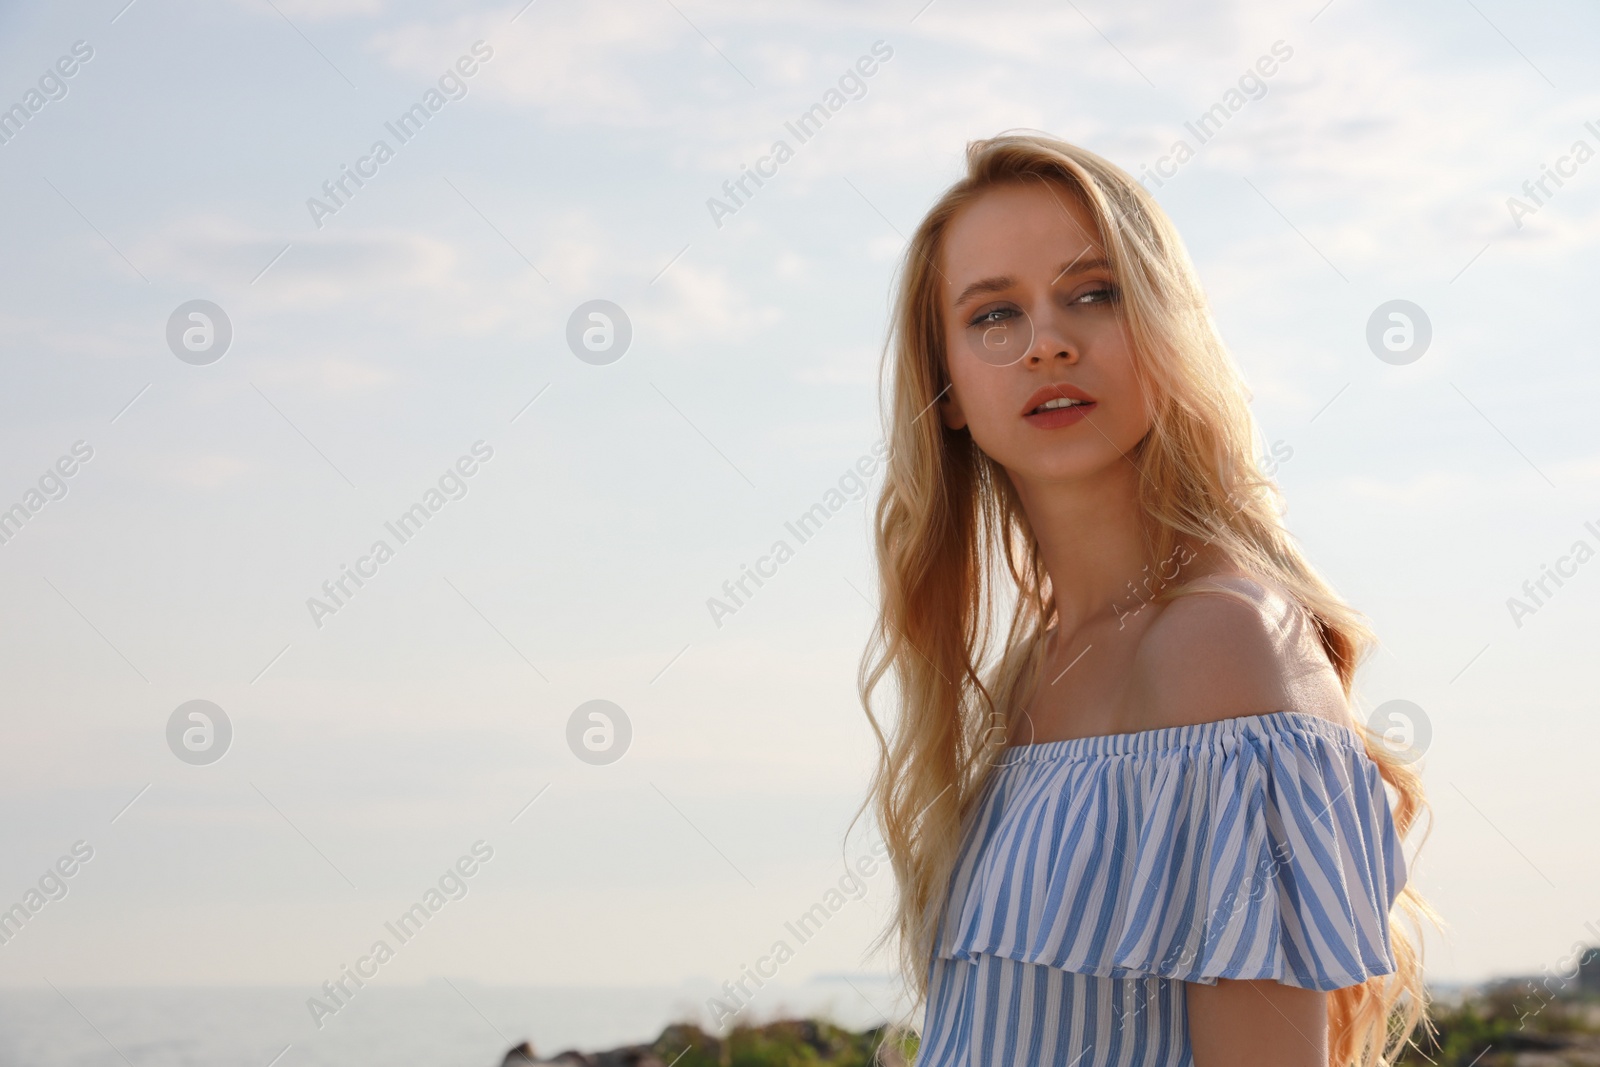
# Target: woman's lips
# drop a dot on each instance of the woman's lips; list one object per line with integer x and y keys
{"x": 1049, "y": 420}
{"x": 1055, "y": 393}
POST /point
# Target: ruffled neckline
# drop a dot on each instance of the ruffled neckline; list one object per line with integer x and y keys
{"x": 1255, "y": 847}
{"x": 1166, "y": 738}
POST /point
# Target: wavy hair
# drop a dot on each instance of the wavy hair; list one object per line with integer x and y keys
{"x": 956, "y": 556}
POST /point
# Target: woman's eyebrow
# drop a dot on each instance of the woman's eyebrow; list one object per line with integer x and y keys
{"x": 1082, "y": 266}
{"x": 985, "y": 285}
{"x": 1006, "y": 281}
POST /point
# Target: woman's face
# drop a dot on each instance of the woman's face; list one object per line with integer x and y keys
{"x": 1032, "y": 316}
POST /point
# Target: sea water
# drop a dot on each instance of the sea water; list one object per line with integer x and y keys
{"x": 442, "y": 1023}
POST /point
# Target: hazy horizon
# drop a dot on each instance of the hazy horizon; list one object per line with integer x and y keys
{"x": 391, "y": 333}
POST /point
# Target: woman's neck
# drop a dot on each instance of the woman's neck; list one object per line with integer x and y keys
{"x": 1091, "y": 538}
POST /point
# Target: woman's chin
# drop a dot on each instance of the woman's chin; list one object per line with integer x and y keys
{"x": 1072, "y": 467}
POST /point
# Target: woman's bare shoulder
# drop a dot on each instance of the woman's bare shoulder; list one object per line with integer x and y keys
{"x": 1231, "y": 645}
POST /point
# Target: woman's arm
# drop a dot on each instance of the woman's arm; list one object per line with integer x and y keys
{"x": 1209, "y": 656}
{"x": 1257, "y": 1024}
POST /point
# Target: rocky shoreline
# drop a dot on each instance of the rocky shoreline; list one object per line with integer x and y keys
{"x": 1510, "y": 1024}
{"x": 789, "y": 1041}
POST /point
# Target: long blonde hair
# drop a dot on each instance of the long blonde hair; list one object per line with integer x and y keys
{"x": 953, "y": 545}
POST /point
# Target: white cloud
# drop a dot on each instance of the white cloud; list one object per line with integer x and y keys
{"x": 330, "y": 374}
{"x": 852, "y": 366}
{"x": 700, "y": 303}
{"x": 202, "y": 472}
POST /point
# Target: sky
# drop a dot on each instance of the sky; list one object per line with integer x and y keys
{"x": 418, "y": 339}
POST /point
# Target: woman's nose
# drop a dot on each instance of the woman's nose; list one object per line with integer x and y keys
{"x": 1049, "y": 344}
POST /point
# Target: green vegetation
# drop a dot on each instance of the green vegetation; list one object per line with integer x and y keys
{"x": 1508, "y": 1025}
{"x": 1511, "y": 1024}
{"x": 787, "y": 1043}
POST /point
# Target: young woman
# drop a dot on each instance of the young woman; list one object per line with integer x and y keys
{"x": 1138, "y": 825}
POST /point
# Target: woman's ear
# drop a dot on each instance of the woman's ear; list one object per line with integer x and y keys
{"x": 950, "y": 409}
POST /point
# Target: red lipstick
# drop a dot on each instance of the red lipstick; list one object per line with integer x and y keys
{"x": 1036, "y": 414}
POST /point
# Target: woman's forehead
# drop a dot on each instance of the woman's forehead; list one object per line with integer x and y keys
{"x": 1015, "y": 232}
{"x": 1006, "y": 215}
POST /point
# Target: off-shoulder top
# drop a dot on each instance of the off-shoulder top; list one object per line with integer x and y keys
{"x": 1099, "y": 874}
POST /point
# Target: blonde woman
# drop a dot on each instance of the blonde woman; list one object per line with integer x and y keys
{"x": 1132, "y": 818}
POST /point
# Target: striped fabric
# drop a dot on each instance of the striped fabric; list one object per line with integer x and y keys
{"x": 1099, "y": 874}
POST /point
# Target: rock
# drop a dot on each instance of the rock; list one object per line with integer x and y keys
{"x": 629, "y": 1056}
{"x": 780, "y": 1041}
{"x": 635, "y": 1056}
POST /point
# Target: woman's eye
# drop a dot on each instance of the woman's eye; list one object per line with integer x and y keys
{"x": 992, "y": 316}
{"x": 1101, "y": 294}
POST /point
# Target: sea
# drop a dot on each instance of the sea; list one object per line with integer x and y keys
{"x": 440, "y": 1023}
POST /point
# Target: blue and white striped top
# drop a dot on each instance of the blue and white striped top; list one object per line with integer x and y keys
{"x": 1097, "y": 875}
